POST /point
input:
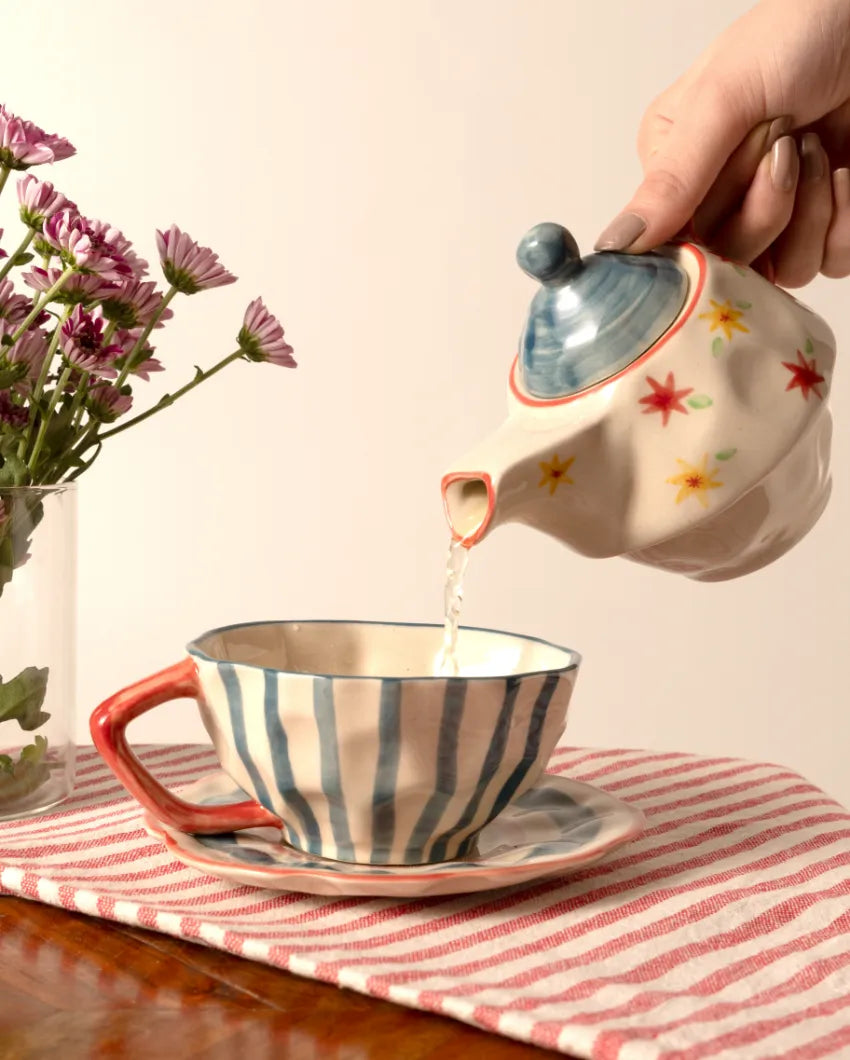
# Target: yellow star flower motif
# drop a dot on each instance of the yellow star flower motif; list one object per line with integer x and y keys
{"x": 724, "y": 317}
{"x": 555, "y": 472}
{"x": 695, "y": 481}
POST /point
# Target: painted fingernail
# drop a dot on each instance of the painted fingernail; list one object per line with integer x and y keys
{"x": 784, "y": 164}
{"x": 621, "y": 233}
{"x": 814, "y": 166}
{"x": 841, "y": 186}
{"x": 778, "y": 127}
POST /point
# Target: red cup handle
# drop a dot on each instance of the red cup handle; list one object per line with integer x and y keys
{"x": 108, "y": 724}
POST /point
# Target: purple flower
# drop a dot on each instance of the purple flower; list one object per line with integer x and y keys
{"x": 134, "y": 304}
{"x": 81, "y": 341}
{"x": 78, "y": 288}
{"x": 29, "y": 351}
{"x": 13, "y": 307}
{"x": 39, "y": 200}
{"x": 187, "y": 266}
{"x": 106, "y": 402}
{"x": 109, "y": 240}
{"x": 14, "y": 415}
{"x": 70, "y": 234}
{"x": 261, "y": 337}
{"x": 142, "y": 363}
{"x": 23, "y": 144}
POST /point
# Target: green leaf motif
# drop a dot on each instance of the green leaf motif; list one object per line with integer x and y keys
{"x": 744, "y": 305}
{"x": 717, "y": 346}
{"x": 725, "y": 454}
{"x": 810, "y": 346}
{"x": 740, "y": 270}
{"x": 22, "y": 697}
{"x": 700, "y": 401}
{"x": 23, "y": 258}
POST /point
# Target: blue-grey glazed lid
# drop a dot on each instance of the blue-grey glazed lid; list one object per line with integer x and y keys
{"x": 592, "y": 316}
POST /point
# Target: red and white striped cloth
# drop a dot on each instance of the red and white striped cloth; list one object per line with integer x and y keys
{"x": 723, "y": 932}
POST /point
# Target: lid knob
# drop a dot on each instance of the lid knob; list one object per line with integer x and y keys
{"x": 548, "y": 253}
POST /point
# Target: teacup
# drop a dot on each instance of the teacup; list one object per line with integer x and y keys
{"x": 345, "y": 737}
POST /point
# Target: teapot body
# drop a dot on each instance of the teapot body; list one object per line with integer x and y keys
{"x": 706, "y": 455}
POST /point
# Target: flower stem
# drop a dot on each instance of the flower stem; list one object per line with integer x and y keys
{"x": 4, "y": 176}
{"x": 39, "y": 386}
{"x": 51, "y": 408}
{"x": 76, "y": 413}
{"x": 22, "y": 246}
{"x": 143, "y": 338}
{"x": 169, "y": 399}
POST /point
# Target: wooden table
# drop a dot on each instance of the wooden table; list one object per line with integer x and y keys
{"x": 75, "y": 987}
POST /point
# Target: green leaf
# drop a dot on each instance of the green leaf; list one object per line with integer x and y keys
{"x": 717, "y": 346}
{"x": 725, "y": 454}
{"x": 6, "y": 764}
{"x": 23, "y": 258}
{"x": 744, "y": 305}
{"x": 22, "y": 697}
{"x": 700, "y": 401}
{"x": 810, "y": 346}
{"x": 14, "y": 471}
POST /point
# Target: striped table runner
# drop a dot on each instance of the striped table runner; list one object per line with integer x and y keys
{"x": 723, "y": 932}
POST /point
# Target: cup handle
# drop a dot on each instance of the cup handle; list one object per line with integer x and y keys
{"x": 108, "y": 724}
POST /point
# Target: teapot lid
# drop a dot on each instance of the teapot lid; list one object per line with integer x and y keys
{"x": 592, "y": 316}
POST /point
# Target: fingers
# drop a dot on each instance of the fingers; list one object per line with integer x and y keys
{"x": 836, "y": 258}
{"x": 730, "y": 187}
{"x": 799, "y": 250}
{"x": 687, "y": 161}
{"x": 767, "y": 207}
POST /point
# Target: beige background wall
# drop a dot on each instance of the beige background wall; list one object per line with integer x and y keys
{"x": 369, "y": 167}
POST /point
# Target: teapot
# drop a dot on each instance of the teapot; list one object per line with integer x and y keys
{"x": 669, "y": 408}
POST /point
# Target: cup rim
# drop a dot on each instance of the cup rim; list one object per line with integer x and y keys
{"x": 198, "y": 653}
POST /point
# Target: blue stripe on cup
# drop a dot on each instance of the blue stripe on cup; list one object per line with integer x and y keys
{"x": 323, "y": 709}
{"x": 446, "y": 844}
{"x": 532, "y": 743}
{"x": 284, "y": 779}
{"x": 446, "y": 779}
{"x": 233, "y": 688}
{"x": 389, "y": 747}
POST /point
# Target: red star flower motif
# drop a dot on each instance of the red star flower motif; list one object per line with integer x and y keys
{"x": 805, "y": 375}
{"x": 665, "y": 398}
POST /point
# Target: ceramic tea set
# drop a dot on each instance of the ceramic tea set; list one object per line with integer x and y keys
{"x": 669, "y": 408}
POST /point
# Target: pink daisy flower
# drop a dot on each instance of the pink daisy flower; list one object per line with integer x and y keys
{"x": 106, "y": 402}
{"x": 30, "y": 351}
{"x": 261, "y": 337}
{"x": 79, "y": 287}
{"x": 39, "y": 200}
{"x": 134, "y": 304}
{"x": 107, "y": 239}
{"x": 24, "y": 144}
{"x": 68, "y": 233}
{"x": 81, "y": 341}
{"x": 13, "y": 307}
{"x": 188, "y": 266}
{"x": 142, "y": 363}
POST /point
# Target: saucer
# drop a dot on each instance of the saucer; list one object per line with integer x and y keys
{"x": 558, "y": 826}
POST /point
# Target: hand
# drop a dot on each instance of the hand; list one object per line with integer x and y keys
{"x": 719, "y": 158}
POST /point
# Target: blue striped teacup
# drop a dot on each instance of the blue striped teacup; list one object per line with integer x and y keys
{"x": 344, "y": 738}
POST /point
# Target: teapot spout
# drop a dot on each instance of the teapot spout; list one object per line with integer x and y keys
{"x": 469, "y": 501}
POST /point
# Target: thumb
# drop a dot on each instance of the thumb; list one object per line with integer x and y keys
{"x": 681, "y": 165}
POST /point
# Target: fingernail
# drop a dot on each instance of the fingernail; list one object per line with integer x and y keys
{"x": 841, "y": 186}
{"x": 778, "y": 127}
{"x": 621, "y": 233}
{"x": 814, "y": 166}
{"x": 784, "y": 164}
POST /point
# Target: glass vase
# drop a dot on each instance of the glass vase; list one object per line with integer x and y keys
{"x": 38, "y": 548}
